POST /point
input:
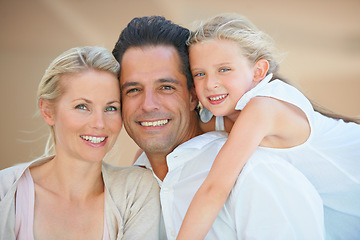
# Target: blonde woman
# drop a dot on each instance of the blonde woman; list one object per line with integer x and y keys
{"x": 71, "y": 193}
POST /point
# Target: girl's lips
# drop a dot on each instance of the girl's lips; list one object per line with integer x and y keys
{"x": 217, "y": 99}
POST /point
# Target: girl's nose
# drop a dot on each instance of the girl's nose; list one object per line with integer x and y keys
{"x": 211, "y": 82}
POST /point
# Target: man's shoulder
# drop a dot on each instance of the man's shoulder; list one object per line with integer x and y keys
{"x": 206, "y": 139}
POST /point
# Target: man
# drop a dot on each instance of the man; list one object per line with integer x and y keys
{"x": 271, "y": 199}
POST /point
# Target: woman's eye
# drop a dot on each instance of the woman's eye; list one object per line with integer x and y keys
{"x": 81, "y": 107}
{"x": 224, "y": 69}
{"x": 110, "y": 109}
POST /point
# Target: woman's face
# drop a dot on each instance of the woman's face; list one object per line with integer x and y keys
{"x": 86, "y": 117}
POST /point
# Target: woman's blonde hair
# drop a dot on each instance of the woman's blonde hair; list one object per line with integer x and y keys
{"x": 254, "y": 45}
{"x": 74, "y": 60}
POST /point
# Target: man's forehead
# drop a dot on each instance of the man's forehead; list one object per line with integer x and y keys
{"x": 154, "y": 63}
{"x": 150, "y": 52}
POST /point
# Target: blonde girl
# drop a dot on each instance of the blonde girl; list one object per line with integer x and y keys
{"x": 236, "y": 79}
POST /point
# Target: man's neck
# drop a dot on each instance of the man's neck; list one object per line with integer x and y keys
{"x": 158, "y": 160}
{"x": 159, "y": 165}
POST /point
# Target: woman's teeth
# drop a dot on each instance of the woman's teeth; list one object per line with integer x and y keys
{"x": 93, "y": 139}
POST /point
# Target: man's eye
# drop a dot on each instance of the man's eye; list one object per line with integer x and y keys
{"x": 167, "y": 88}
{"x": 132, "y": 90}
{"x": 81, "y": 107}
{"x": 111, "y": 109}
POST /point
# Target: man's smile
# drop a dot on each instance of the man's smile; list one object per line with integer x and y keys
{"x": 154, "y": 123}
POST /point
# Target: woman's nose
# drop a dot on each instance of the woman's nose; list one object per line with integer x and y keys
{"x": 98, "y": 120}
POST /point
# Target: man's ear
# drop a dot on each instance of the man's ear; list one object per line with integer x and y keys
{"x": 260, "y": 69}
{"x": 194, "y": 101}
{"x": 47, "y": 111}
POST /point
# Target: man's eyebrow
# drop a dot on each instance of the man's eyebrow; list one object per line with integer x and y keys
{"x": 129, "y": 84}
{"x": 169, "y": 80}
{"x": 161, "y": 80}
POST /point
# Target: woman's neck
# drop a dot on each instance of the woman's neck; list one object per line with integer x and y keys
{"x": 69, "y": 178}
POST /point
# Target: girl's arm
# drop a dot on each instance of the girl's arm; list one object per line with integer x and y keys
{"x": 256, "y": 121}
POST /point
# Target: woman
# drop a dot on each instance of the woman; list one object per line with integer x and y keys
{"x": 71, "y": 193}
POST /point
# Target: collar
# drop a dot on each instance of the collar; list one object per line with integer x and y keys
{"x": 184, "y": 149}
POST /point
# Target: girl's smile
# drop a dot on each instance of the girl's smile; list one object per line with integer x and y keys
{"x": 222, "y": 75}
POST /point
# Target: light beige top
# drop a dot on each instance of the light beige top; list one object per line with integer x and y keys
{"x": 132, "y": 206}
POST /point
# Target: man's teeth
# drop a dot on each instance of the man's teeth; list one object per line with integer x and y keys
{"x": 155, "y": 123}
{"x": 218, "y": 97}
{"x": 93, "y": 139}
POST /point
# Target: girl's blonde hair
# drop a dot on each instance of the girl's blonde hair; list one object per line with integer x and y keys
{"x": 254, "y": 45}
{"x": 74, "y": 60}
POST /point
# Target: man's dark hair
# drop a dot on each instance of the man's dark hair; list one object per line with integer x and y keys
{"x": 155, "y": 31}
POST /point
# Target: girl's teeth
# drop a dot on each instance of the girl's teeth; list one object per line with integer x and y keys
{"x": 218, "y": 97}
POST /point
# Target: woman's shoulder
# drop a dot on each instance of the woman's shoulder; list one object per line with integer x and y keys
{"x": 12, "y": 173}
{"x": 133, "y": 177}
{"x": 130, "y": 173}
{"x": 9, "y": 176}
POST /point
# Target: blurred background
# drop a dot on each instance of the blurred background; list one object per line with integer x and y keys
{"x": 321, "y": 39}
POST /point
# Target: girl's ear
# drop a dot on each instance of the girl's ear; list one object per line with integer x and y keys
{"x": 194, "y": 101}
{"x": 47, "y": 111}
{"x": 260, "y": 69}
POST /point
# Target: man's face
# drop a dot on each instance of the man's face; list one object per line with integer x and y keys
{"x": 156, "y": 103}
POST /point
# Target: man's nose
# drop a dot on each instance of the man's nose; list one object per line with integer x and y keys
{"x": 150, "y": 101}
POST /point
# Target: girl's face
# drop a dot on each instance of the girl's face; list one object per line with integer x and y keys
{"x": 86, "y": 117}
{"x": 222, "y": 75}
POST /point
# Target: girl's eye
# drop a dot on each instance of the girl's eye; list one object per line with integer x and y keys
{"x": 111, "y": 109}
{"x": 224, "y": 69}
{"x": 81, "y": 107}
{"x": 199, "y": 74}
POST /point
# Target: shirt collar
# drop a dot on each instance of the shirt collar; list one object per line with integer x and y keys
{"x": 197, "y": 142}
{"x": 201, "y": 141}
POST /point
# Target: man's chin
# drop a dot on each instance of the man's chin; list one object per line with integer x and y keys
{"x": 154, "y": 146}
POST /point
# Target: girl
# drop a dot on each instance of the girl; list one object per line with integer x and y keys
{"x": 235, "y": 76}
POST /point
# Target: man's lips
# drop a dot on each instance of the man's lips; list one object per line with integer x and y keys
{"x": 157, "y": 123}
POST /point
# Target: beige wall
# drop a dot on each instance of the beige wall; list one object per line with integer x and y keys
{"x": 321, "y": 38}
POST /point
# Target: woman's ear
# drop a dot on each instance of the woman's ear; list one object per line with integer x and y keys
{"x": 47, "y": 111}
{"x": 260, "y": 69}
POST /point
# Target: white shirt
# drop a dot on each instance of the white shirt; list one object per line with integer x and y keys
{"x": 329, "y": 158}
{"x": 270, "y": 200}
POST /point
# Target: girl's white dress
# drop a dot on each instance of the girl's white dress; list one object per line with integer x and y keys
{"x": 330, "y": 158}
